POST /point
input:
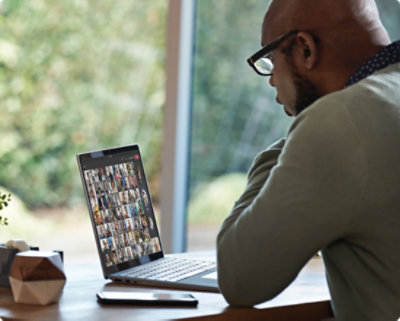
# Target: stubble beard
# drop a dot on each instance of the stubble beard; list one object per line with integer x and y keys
{"x": 306, "y": 93}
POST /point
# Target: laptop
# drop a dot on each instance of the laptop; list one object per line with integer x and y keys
{"x": 125, "y": 228}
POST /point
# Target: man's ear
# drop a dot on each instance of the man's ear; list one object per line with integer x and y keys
{"x": 307, "y": 49}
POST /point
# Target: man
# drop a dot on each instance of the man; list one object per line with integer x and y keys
{"x": 334, "y": 183}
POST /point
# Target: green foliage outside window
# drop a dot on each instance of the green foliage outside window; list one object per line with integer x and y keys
{"x": 235, "y": 114}
{"x": 75, "y": 76}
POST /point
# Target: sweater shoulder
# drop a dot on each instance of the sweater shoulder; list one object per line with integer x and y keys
{"x": 331, "y": 112}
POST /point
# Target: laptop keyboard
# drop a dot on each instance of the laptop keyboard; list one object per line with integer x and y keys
{"x": 170, "y": 269}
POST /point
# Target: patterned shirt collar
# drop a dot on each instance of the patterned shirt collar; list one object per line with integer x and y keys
{"x": 385, "y": 57}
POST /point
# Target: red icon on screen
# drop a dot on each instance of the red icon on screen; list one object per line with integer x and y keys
{"x": 136, "y": 157}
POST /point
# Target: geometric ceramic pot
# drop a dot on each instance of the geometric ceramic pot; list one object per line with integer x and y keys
{"x": 37, "y": 277}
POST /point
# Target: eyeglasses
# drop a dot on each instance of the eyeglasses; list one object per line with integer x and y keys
{"x": 261, "y": 61}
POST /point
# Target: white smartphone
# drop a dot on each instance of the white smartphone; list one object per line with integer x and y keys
{"x": 146, "y": 298}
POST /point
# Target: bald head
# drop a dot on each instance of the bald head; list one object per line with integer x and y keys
{"x": 329, "y": 18}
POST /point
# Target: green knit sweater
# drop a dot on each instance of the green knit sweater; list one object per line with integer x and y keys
{"x": 332, "y": 185}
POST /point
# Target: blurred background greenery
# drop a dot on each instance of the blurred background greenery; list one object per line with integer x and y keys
{"x": 76, "y": 76}
{"x": 81, "y": 75}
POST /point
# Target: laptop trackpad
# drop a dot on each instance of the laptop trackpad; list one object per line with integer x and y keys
{"x": 206, "y": 280}
{"x": 212, "y": 276}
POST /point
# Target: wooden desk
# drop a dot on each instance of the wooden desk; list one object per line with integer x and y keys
{"x": 307, "y": 298}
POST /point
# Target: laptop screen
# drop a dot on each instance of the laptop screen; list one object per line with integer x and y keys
{"x": 120, "y": 207}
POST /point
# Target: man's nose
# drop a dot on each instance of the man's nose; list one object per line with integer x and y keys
{"x": 271, "y": 80}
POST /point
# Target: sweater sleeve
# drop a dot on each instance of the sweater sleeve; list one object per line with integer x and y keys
{"x": 257, "y": 176}
{"x": 296, "y": 201}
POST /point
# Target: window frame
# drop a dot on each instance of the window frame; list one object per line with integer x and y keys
{"x": 176, "y": 144}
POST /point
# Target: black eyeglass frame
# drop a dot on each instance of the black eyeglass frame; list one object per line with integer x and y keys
{"x": 267, "y": 49}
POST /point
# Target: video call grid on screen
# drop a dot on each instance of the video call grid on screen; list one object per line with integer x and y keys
{"x": 121, "y": 208}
